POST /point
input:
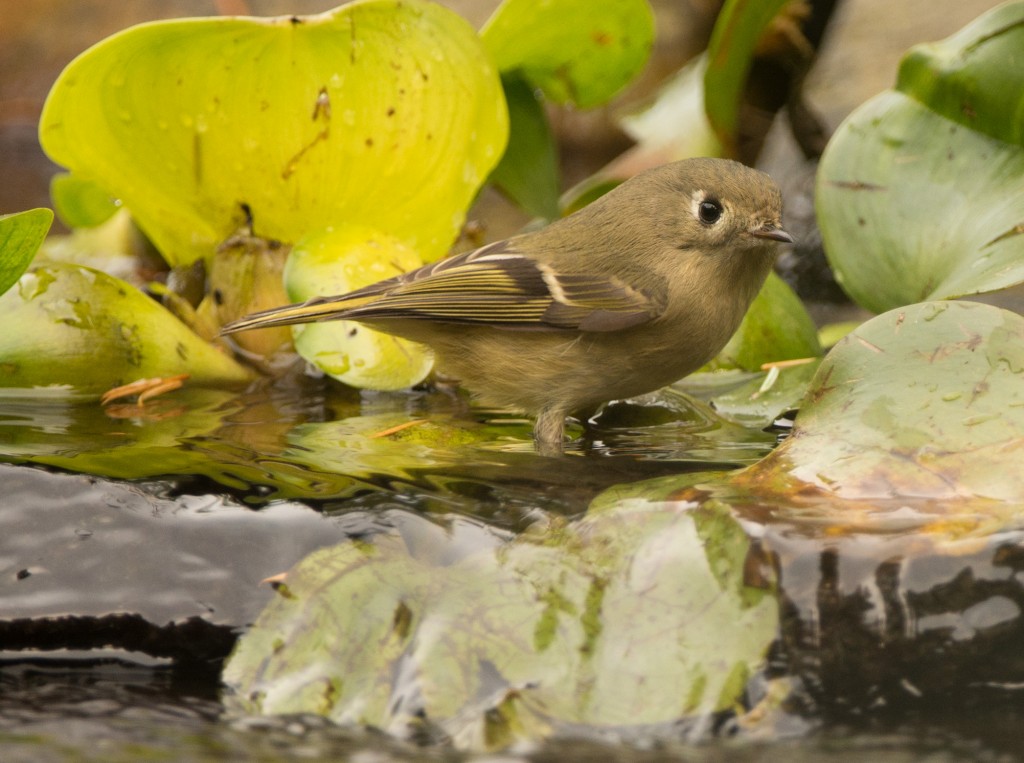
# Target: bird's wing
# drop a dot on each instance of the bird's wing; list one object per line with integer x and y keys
{"x": 496, "y": 286}
{"x": 492, "y": 286}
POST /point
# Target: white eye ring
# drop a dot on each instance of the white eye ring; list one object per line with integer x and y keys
{"x": 706, "y": 208}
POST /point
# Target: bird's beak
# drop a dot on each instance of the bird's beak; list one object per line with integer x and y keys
{"x": 772, "y": 233}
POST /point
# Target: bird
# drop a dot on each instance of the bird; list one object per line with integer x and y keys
{"x": 627, "y": 295}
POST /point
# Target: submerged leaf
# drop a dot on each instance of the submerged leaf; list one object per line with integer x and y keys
{"x": 383, "y": 111}
{"x": 640, "y": 614}
{"x": 21, "y": 235}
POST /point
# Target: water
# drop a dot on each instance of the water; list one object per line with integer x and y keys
{"x": 896, "y": 627}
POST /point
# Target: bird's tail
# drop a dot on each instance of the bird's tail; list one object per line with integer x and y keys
{"x": 318, "y": 309}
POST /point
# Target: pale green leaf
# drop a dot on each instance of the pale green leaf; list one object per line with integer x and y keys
{"x": 919, "y": 194}
{"x": 925, "y": 401}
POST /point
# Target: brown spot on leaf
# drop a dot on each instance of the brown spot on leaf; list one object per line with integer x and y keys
{"x": 856, "y": 185}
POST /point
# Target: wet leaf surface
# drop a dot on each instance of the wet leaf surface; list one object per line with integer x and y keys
{"x": 922, "y": 402}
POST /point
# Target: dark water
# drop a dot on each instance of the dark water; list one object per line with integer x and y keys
{"x": 132, "y": 551}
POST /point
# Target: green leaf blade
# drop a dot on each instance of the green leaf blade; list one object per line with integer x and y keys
{"x": 528, "y": 172}
{"x": 730, "y": 53}
{"x": 576, "y": 51}
{"x": 21, "y": 235}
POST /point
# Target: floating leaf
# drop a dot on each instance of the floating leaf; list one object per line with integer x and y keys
{"x": 74, "y": 328}
{"x": 640, "y": 614}
{"x": 386, "y": 112}
{"x": 925, "y": 401}
{"x": 576, "y": 51}
{"x": 752, "y": 399}
{"x": 21, "y": 235}
{"x": 337, "y": 262}
{"x": 914, "y": 205}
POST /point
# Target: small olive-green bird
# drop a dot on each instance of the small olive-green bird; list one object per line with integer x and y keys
{"x": 633, "y": 292}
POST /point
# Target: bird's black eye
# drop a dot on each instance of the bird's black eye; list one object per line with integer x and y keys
{"x": 709, "y": 211}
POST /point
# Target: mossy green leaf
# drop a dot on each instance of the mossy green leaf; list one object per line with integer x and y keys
{"x": 388, "y": 112}
{"x": 576, "y": 51}
{"x": 21, "y": 235}
{"x": 918, "y": 193}
{"x": 528, "y": 172}
{"x": 776, "y": 327}
{"x": 639, "y": 615}
{"x": 925, "y": 401}
{"x": 70, "y": 327}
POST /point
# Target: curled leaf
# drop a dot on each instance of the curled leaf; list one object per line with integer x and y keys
{"x": 337, "y": 262}
{"x": 74, "y": 328}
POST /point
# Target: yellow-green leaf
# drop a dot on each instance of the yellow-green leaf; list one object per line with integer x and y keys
{"x": 337, "y": 262}
{"x": 384, "y": 111}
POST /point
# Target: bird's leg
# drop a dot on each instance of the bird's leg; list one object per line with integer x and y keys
{"x": 549, "y": 431}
